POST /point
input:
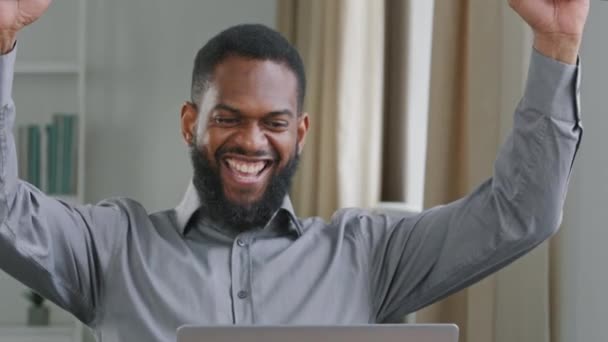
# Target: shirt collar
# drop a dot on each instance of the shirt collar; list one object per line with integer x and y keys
{"x": 191, "y": 204}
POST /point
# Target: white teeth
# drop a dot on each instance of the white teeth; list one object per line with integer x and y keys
{"x": 245, "y": 167}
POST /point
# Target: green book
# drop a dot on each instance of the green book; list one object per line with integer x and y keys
{"x": 51, "y": 153}
{"x": 67, "y": 175}
{"x": 74, "y": 152}
{"x": 58, "y": 122}
{"x": 62, "y": 153}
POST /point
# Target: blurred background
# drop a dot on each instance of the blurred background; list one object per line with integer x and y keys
{"x": 409, "y": 101}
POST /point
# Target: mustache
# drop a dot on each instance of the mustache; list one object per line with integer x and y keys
{"x": 270, "y": 154}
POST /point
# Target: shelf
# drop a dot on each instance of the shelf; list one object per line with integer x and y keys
{"x": 34, "y": 334}
{"x": 47, "y": 68}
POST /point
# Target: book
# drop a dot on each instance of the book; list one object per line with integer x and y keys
{"x": 51, "y": 153}
{"x": 48, "y": 154}
{"x": 74, "y": 152}
{"x": 66, "y": 170}
{"x": 43, "y": 158}
{"x": 58, "y": 122}
{"x": 65, "y": 153}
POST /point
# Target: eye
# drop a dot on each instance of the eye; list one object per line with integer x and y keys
{"x": 226, "y": 121}
{"x": 277, "y": 124}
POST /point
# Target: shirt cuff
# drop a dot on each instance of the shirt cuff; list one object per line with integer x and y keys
{"x": 553, "y": 88}
{"x": 7, "y": 67}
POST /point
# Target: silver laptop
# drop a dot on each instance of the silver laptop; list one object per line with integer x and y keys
{"x": 362, "y": 333}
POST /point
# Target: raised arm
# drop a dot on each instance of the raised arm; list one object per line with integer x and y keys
{"x": 59, "y": 250}
{"x": 417, "y": 261}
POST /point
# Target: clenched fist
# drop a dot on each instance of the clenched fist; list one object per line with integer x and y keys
{"x": 557, "y": 24}
{"x": 15, "y": 15}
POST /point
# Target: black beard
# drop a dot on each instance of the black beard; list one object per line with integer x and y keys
{"x": 233, "y": 216}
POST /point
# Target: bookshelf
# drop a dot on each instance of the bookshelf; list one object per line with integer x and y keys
{"x": 50, "y": 77}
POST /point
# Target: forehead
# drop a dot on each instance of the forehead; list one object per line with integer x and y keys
{"x": 248, "y": 83}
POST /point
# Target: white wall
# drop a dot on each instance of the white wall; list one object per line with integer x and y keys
{"x": 584, "y": 239}
{"x": 140, "y": 55}
{"x": 140, "y": 61}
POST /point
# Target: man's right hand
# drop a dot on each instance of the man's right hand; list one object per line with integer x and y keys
{"x": 15, "y": 15}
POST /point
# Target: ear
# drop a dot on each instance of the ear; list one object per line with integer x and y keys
{"x": 303, "y": 125}
{"x": 188, "y": 119}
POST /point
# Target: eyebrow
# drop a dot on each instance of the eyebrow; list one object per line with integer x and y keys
{"x": 222, "y": 106}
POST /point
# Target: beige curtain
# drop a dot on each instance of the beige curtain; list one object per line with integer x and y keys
{"x": 342, "y": 44}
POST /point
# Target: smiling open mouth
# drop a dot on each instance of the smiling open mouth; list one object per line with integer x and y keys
{"x": 245, "y": 170}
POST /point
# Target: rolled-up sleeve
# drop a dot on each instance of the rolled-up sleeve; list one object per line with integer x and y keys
{"x": 417, "y": 261}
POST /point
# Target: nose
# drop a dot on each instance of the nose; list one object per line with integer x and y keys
{"x": 252, "y": 138}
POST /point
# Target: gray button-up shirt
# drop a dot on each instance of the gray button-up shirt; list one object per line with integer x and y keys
{"x": 135, "y": 276}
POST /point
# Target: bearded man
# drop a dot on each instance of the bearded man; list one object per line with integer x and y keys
{"x": 234, "y": 251}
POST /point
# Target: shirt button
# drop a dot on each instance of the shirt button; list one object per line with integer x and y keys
{"x": 240, "y": 243}
{"x": 242, "y": 294}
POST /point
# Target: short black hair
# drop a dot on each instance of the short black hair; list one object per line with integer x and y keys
{"x": 254, "y": 41}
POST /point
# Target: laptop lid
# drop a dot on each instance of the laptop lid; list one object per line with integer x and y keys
{"x": 363, "y": 333}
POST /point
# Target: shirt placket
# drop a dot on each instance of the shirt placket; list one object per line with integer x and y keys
{"x": 241, "y": 280}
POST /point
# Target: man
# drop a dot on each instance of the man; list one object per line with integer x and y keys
{"x": 234, "y": 252}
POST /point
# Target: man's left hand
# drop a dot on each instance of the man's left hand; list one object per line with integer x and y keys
{"x": 557, "y": 24}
